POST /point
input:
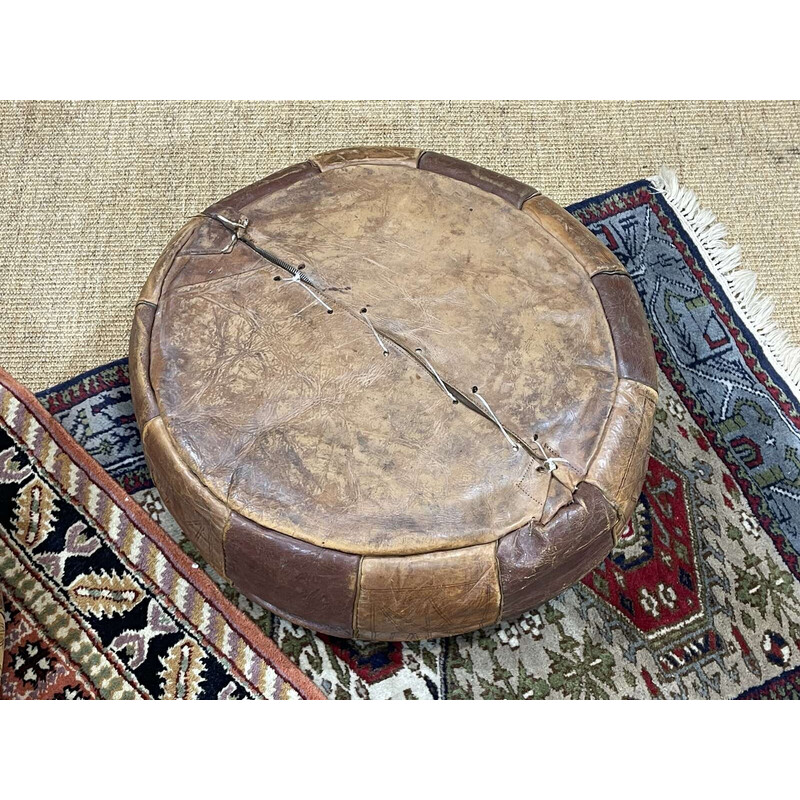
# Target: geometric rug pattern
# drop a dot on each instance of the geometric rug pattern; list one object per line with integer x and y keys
{"x": 99, "y": 602}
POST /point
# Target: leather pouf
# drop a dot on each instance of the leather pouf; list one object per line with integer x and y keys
{"x": 392, "y": 395}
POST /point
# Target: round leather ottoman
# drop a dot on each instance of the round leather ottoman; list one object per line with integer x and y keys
{"x": 392, "y": 395}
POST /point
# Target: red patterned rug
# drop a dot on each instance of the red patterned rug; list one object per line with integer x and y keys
{"x": 701, "y": 597}
{"x": 99, "y": 601}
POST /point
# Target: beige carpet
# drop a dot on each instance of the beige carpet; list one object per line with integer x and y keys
{"x": 90, "y": 192}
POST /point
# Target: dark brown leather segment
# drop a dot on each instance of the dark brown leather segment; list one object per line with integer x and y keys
{"x": 145, "y": 406}
{"x": 538, "y": 562}
{"x": 513, "y": 191}
{"x": 580, "y": 241}
{"x": 424, "y": 597}
{"x": 310, "y": 585}
{"x": 406, "y": 156}
{"x": 263, "y": 188}
{"x": 200, "y": 515}
{"x": 633, "y": 342}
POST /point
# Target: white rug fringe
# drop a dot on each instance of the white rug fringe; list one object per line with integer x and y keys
{"x": 740, "y": 284}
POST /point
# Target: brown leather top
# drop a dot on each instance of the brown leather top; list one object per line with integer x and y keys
{"x": 293, "y": 416}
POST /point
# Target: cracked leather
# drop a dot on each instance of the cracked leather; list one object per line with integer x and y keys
{"x": 262, "y": 408}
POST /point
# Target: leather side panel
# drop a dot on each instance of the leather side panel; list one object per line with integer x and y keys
{"x": 405, "y": 156}
{"x": 151, "y": 291}
{"x": 538, "y": 562}
{"x": 633, "y": 342}
{"x": 582, "y": 243}
{"x": 514, "y": 192}
{"x": 313, "y": 586}
{"x": 233, "y": 203}
{"x": 145, "y": 406}
{"x": 620, "y": 464}
{"x": 428, "y": 596}
{"x": 200, "y": 515}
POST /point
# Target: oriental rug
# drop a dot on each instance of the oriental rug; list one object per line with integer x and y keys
{"x": 701, "y": 596}
{"x": 99, "y": 601}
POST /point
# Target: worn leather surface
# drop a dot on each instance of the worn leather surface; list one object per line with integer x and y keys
{"x": 629, "y": 329}
{"x": 538, "y": 562}
{"x": 581, "y": 243}
{"x": 145, "y": 406}
{"x": 296, "y": 420}
{"x": 315, "y": 586}
{"x": 512, "y": 191}
{"x": 151, "y": 291}
{"x": 263, "y": 188}
{"x": 286, "y": 437}
{"x": 620, "y": 463}
{"x": 202, "y": 517}
{"x": 424, "y": 597}
{"x": 483, "y": 290}
{"x": 405, "y": 156}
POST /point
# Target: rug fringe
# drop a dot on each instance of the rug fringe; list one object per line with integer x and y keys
{"x": 740, "y": 284}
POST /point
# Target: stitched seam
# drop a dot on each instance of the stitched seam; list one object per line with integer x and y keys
{"x": 499, "y": 581}
{"x": 632, "y": 451}
{"x": 225, "y": 528}
{"x": 357, "y": 598}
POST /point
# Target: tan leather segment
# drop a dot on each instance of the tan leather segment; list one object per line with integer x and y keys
{"x": 296, "y": 419}
{"x": 620, "y": 464}
{"x": 538, "y": 562}
{"x": 560, "y": 224}
{"x": 513, "y": 191}
{"x": 312, "y": 586}
{"x": 483, "y": 290}
{"x": 405, "y": 156}
{"x": 151, "y": 291}
{"x": 200, "y": 515}
{"x": 633, "y": 342}
{"x": 230, "y": 205}
{"x": 424, "y": 597}
{"x": 145, "y": 406}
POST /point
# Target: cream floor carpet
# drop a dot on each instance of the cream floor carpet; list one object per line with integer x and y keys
{"x": 91, "y": 192}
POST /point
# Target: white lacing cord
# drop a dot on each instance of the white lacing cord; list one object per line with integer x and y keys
{"x": 514, "y": 445}
{"x": 435, "y": 374}
{"x": 298, "y": 279}
{"x": 549, "y": 460}
{"x": 374, "y": 332}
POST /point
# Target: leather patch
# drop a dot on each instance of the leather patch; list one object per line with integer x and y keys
{"x": 203, "y": 259}
{"x": 151, "y": 291}
{"x": 282, "y": 179}
{"x": 145, "y": 406}
{"x": 633, "y": 342}
{"x": 200, "y": 515}
{"x": 582, "y": 243}
{"x": 513, "y": 191}
{"x": 406, "y": 156}
{"x": 425, "y": 597}
{"x": 538, "y": 562}
{"x": 310, "y": 585}
{"x": 620, "y": 464}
